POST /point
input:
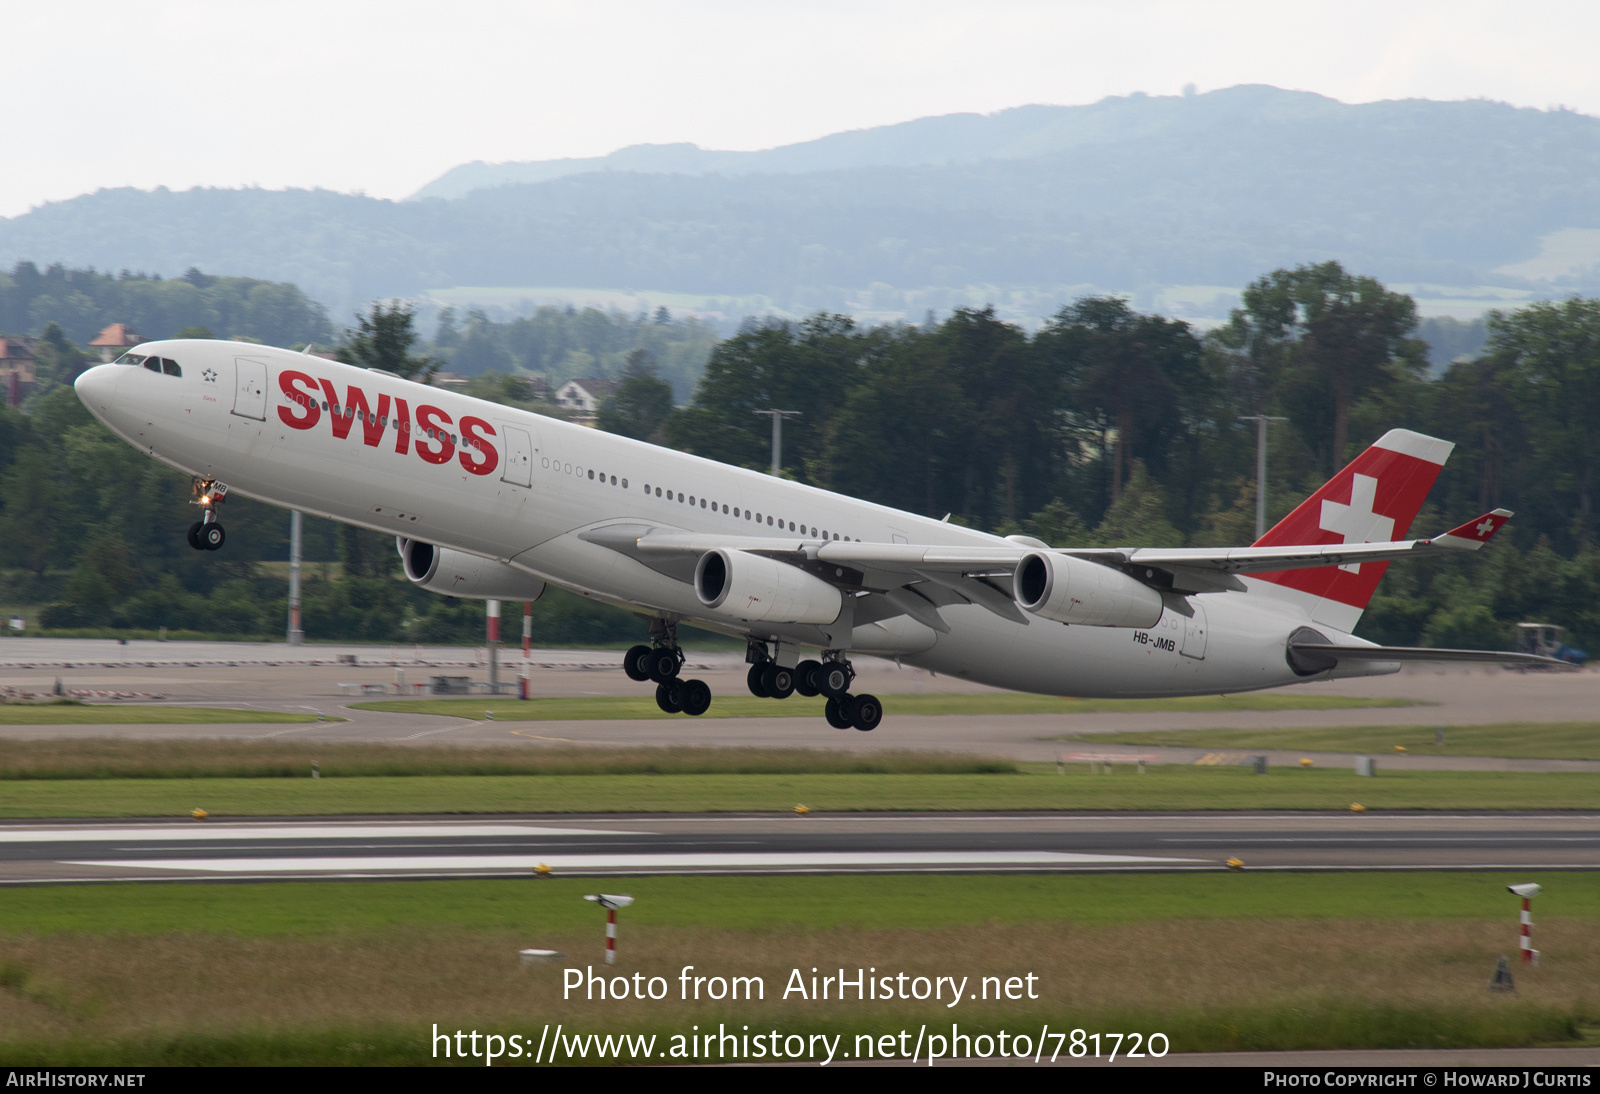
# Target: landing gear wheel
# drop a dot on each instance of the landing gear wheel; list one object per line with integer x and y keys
{"x": 865, "y": 712}
{"x": 753, "y": 679}
{"x": 834, "y": 679}
{"x": 212, "y": 537}
{"x": 835, "y": 715}
{"x": 633, "y": 663}
{"x": 696, "y": 697}
{"x": 805, "y": 678}
{"x": 778, "y": 681}
{"x": 662, "y": 664}
{"x": 194, "y": 536}
{"x": 669, "y": 697}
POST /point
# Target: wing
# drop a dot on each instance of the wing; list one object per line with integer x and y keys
{"x": 918, "y": 580}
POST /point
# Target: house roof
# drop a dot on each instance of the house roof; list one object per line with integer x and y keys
{"x": 117, "y": 334}
{"x": 596, "y": 386}
{"x": 16, "y": 349}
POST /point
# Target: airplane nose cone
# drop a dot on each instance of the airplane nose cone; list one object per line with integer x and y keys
{"x": 96, "y": 387}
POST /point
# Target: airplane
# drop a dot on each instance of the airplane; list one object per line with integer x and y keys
{"x": 491, "y": 502}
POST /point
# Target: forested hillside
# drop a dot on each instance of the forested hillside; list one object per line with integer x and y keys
{"x": 1126, "y": 194}
{"x": 82, "y": 302}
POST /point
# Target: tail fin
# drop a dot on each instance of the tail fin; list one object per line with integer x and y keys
{"x": 1372, "y": 500}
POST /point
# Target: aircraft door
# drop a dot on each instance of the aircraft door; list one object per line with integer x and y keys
{"x": 250, "y": 388}
{"x": 1194, "y": 631}
{"x": 518, "y": 466}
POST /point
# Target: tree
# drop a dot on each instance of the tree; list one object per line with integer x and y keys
{"x": 1330, "y": 339}
{"x": 1133, "y": 374}
{"x": 806, "y": 366}
{"x": 1138, "y": 518}
{"x": 1549, "y": 356}
{"x": 639, "y": 408}
{"x": 383, "y": 339}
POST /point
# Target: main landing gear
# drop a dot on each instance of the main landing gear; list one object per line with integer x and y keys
{"x": 663, "y": 663}
{"x": 831, "y": 677}
{"x": 206, "y": 534}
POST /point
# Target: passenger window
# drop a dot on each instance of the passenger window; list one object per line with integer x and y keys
{"x": 769, "y": 522}
{"x": 170, "y": 367}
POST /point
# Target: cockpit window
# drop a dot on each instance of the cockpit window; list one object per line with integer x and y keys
{"x": 153, "y": 364}
{"x": 130, "y": 359}
{"x": 170, "y": 367}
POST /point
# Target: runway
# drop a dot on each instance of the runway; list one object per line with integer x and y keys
{"x": 34, "y": 853}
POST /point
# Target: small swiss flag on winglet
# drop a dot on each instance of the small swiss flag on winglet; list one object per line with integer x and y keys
{"x": 1478, "y": 530}
{"x": 1373, "y": 500}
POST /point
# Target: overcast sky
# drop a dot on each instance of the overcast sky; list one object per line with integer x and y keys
{"x": 383, "y": 96}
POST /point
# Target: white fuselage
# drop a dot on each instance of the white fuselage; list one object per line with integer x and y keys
{"x": 239, "y": 415}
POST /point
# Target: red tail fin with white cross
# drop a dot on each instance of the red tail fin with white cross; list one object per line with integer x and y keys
{"x": 1372, "y": 500}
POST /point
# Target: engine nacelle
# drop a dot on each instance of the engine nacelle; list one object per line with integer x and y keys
{"x": 456, "y": 573}
{"x": 1073, "y": 590}
{"x": 759, "y": 589}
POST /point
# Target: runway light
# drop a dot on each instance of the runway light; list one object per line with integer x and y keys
{"x": 1235, "y": 864}
{"x": 541, "y": 870}
{"x": 803, "y": 810}
{"x": 1399, "y": 748}
{"x": 488, "y": 715}
{"x": 1304, "y": 762}
{"x": 534, "y": 957}
{"x": 199, "y": 814}
{"x": 1357, "y": 807}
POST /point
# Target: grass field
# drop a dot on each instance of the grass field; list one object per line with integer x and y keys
{"x": 748, "y": 706}
{"x": 1536, "y": 740}
{"x": 106, "y": 714}
{"x": 362, "y": 972}
{"x": 126, "y": 758}
{"x": 1160, "y": 788}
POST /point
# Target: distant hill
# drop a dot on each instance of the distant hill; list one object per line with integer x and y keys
{"x": 1123, "y": 195}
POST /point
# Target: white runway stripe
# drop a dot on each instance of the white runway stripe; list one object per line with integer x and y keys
{"x": 732, "y": 860}
{"x": 184, "y": 833}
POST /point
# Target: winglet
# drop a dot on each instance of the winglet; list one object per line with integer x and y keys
{"x": 1476, "y": 532}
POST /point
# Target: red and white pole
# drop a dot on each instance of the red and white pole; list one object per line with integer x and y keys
{"x": 1526, "y": 941}
{"x": 524, "y": 683}
{"x": 492, "y": 618}
{"x": 610, "y": 902}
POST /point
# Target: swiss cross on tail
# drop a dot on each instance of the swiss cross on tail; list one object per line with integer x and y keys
{"x": 1373, "y": 500}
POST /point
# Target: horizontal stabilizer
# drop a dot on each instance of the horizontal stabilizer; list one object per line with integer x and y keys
{"x": 1325, "y": 655}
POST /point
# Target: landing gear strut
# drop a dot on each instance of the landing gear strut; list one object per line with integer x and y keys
{"x": 662, "y": 663}
{"x": 207, "y": 534}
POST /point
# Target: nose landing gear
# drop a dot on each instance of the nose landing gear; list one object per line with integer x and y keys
{"x": 207, "y": 534}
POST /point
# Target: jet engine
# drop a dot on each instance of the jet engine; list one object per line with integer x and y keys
{"x": 456, "y": 573}
{"x": 759, "y": 589}
{"x": 1074, "y": 590}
